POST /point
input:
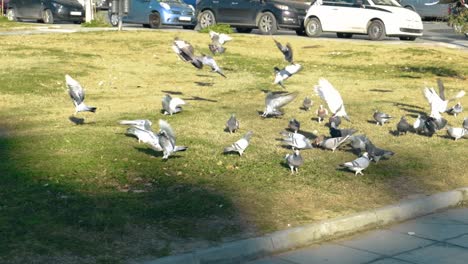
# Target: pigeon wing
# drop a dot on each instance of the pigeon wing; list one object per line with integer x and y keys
{"x": 166, "y": 102}
{"x": 75, "y": 90}
{"x": 330, "y": 95}
{"x": 288, "y": 55}
{"x": 279, "y": 100}
{"x": 441, "y": 86}
{"x": 164, "y": 126}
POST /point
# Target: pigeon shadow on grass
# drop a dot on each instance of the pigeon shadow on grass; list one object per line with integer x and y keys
{"x": 76, "y": 120}
{"x": 273, "y": 92}
{"x": 204, "y": 75}
{"x": 204, "y": 84}
{"x": 197, "y": 98}
{"x": 413, "y": 112}
{"x": 381, "y": 90}
{"x": 172, "y": 92}
{"x": 154, "y": 153}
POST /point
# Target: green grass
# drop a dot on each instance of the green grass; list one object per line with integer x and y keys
{"x": 89, "y": 194}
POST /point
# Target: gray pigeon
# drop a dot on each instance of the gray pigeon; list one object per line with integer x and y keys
{"x": 335, "y": 119}
{"x": 358, "y": 142}
{"x": 209, "y": 61}
{"x": 282, "y": 75}
{"x": 359, "y": 164}
{"x": 217, "y": 41}
{"x": 307, "y": 104}
{"x": 145, "y": 136}
{"x": 296, "y": 140}
{"x": 465, "y": 123}
{"x": 77, "y": 94}
{"x": 456, "y": 109}
{"x": 381, "y": 118}
{"x": 240, "y": 145}
{"x": 144, "y": 124}
{"x": 286, "y": 50}
{"x": 457, "y": 132}
{"x": 403, "y": 126}
{"x": 172, "y": 105}
{"x": 186, "y": 53}
{"x": 273, "y": 103}
{"x": 167, "y": 140}
{"x": 321, "y": 113}
{"x": 294, "y": 161}
{"x": 232, "y": 124}
{"x": 376, "y": 153}
{"x": 331, "y": 143}
{"x": 294, "y": 125}
{"x": 336, "y": 132}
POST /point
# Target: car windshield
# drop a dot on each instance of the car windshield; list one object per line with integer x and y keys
{"x": 167, "y": 1}
{"x": 385, "y": 2}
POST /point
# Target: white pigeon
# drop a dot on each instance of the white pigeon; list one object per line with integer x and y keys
{"x": 284, "y": 74}
{"x": 437, "y": 102}
{"x": 273, "y": 103}
{"x": 358, "y": 165}
{"x": 142, "y": 130}
{"x": 332, "y": 97}
{"x": 139, "y": 123}
{"x": 172, "y": 105}
{"x": 457, "y": 132}
{"x": 240, "y": 145}
{"x": 77, "y": 95}
{"x": 221, "y": 38}
{"x": 418, "y": 124}
{"x": 296, "y": 140}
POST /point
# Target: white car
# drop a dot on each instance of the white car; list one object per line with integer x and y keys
{"x": 376, "y": 18}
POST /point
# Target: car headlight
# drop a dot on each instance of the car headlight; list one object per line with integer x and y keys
{"x": 191, "y": 7}
{"x": 57, "y": 5}
{"x": 165, "y": 6}
{"x": 282, "y": 7}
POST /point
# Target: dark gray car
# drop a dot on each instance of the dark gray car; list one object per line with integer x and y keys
{"x": 46, "y": 11}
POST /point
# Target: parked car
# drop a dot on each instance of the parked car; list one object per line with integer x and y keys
{"x": 154, "y": 13}
{"x": 191, "y": 2}
{"x": 376, "y": 18}
{"x": 266, "y": 15}
{"x": 441, "y": 11}
{"x": 46, "y": 11}
{"x": 4, "y": 5}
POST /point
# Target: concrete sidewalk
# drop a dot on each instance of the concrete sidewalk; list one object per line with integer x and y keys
{"x": 440, "y": 238}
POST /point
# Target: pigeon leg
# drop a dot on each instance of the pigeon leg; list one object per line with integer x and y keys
{"x": 292, "y": 169}
{"x": 297, "y": 170}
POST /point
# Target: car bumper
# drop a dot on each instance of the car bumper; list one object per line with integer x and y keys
{"x": 69, "y": 14}
{"x": 291, "y": 20}
{"x": 409, "y": 28}
{"x": 184, "y": 18}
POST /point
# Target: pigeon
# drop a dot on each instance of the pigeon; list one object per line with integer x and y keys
{"x": 307, "y": 104}
{"x": 232, "y": 124}
{"x": 167, "y": 140}
{"x": 185, "y": 52}
{"x": 240, "y": 145}
{"x": 419, "y": 124}
{"x": 457, "y": 132}
{"x": 430, "y": 126}
{"x": 332, "y": 97}
{"x": 143, "y": 124}
{"x": 296, "y": 140}
{"x": 283, "y": 74}
{"x": 77, "y": 94}
{"x": 294, "y": 125}
{"x": 440, "y": 123}
{"x": 172, "y": 105}
{"x": 321, "y": 113}
{"x": 145, "y": 136}
{"x": 335, "y": 119}
{"x": 331, "y": 143}
{"x": 358, "y": 142}
{"x": 359, "y": 164}
{"x": 456, "y": 109}
{"x": 381, "y": 118}
{"x": 403, "y": 126}
{"x": 336, "y": 132}
{"x": 376, "y": 153}
{"x": 217, "y": 42}
{"x": 438, "y": 102}
{"x": 294, "y": 161}
{"x": 286, "y": 50}
{"x": 273, "y": 102}
{"x": 209, "y": 61}
{"x": 465, "y": 123}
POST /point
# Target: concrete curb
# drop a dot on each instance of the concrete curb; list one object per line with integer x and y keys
{"x": 250, "y": 249}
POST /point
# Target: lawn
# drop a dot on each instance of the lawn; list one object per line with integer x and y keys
{"x": 89, "y": 194}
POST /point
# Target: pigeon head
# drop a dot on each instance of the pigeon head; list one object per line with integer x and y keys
{"x": 365, "y": 154}
{"x": 296, "y": 152}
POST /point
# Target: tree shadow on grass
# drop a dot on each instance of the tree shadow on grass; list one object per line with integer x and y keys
{"x": 434, "y": 70}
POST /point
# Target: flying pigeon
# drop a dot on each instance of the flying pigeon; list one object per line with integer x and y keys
{"x": 331, "y": 143}
{"x": 273, "y": 103}
{"x": 209, "y": 61}
{"x": 336, "y": 132}
{"x": 381, "y": 118}
{"x": 77, "y": 95}
{"x": 296, "y": 140}
{"x": 186, "y": 53}
{"x": 456, "y": 109}
{"x": 359, "y": 164}
{"x": 232, "y": 124}
{"x": 143, "y": 124}
{"x": 240, "y": 145}
{"x": 217, "y": 42}
{"x": 457, "y": 132}
{"x": 294, "y": 125}
{"x": 172, "y": 105}
{"x": 376, "y": 153}
{"x": 403, "y": 126}
{"x": 335, "y": 119}
{"x": 283, "y": 74}
{"x": 438, "y": 102}
{"x": 286, "y": 50}
{"x": 167, "y": 140}
{"x": 142, "y": 130}
{"x": 294, "y": 161}
{"x": 465, "y": 123}
{"x": 321, "y": 113}
{"x": 307, "y": 104}
{"x": 332, "y": 97}
{"x": 358, "y": 142}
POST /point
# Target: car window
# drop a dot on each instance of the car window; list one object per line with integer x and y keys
{"x": 385, "y": 2}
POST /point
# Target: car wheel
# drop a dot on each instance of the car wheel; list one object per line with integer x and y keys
{"x": 376, "y": 30}
{"x": 11, "y": 14}
{"x": 313, "y": 28}
{"x": 344, "y": 35}
{"x": 154, "y": 20}
{"x": 301, "y": 32}
{"x": 114, "y": 20}
{"x": 244, "y": 30}
{"x": 408, "y": 38}
{"x": 206, "y": 19}
{"x": 47, "y": 17}
{"x": 188, "y": 27}
{"x": 267, "y": 23}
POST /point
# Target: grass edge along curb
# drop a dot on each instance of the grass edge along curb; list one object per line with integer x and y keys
{"x": 280, "y": 241}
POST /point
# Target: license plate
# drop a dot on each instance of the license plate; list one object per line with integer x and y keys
{"x": 185, "y": 18}
{"x": 75, "y": 13}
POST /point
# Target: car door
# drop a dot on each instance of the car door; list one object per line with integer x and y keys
{"x": 359, "y": 13}
{"x": 23, "y": 8}
{"x": 332, "y": 15}
{"x": 225, "y": 11}
{"x": 138, "y": 11}
{"x": 244, "y": 12}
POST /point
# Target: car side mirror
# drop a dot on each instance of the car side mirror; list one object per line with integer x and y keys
{"x": 360, "y": 3}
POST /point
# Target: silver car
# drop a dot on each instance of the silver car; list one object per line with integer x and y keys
{"x": 422, "y": 7}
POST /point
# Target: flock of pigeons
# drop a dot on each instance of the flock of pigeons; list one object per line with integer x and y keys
{"x": 165, "y": 140}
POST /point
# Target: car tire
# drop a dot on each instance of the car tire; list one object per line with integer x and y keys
{"x": 243, "y": 30}
{"x": 301, "y": 32}
{"x": 11, "y": 15}
{"x": 47, "y": 16}
{"x": 313, "y": 27}
{"x": 154, "y": 20}
{"x": 114, "y": 20}
{"x": 376, "y": 30}
{"x": 206, "y": 19}
{"x": 267, "y": 24}
{"x": 344, "y": 35}
{"x": 188, "y": 27}
{"x": 408, "y": 38}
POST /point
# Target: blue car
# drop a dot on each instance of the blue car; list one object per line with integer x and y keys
{"x": 155, "y": 13}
